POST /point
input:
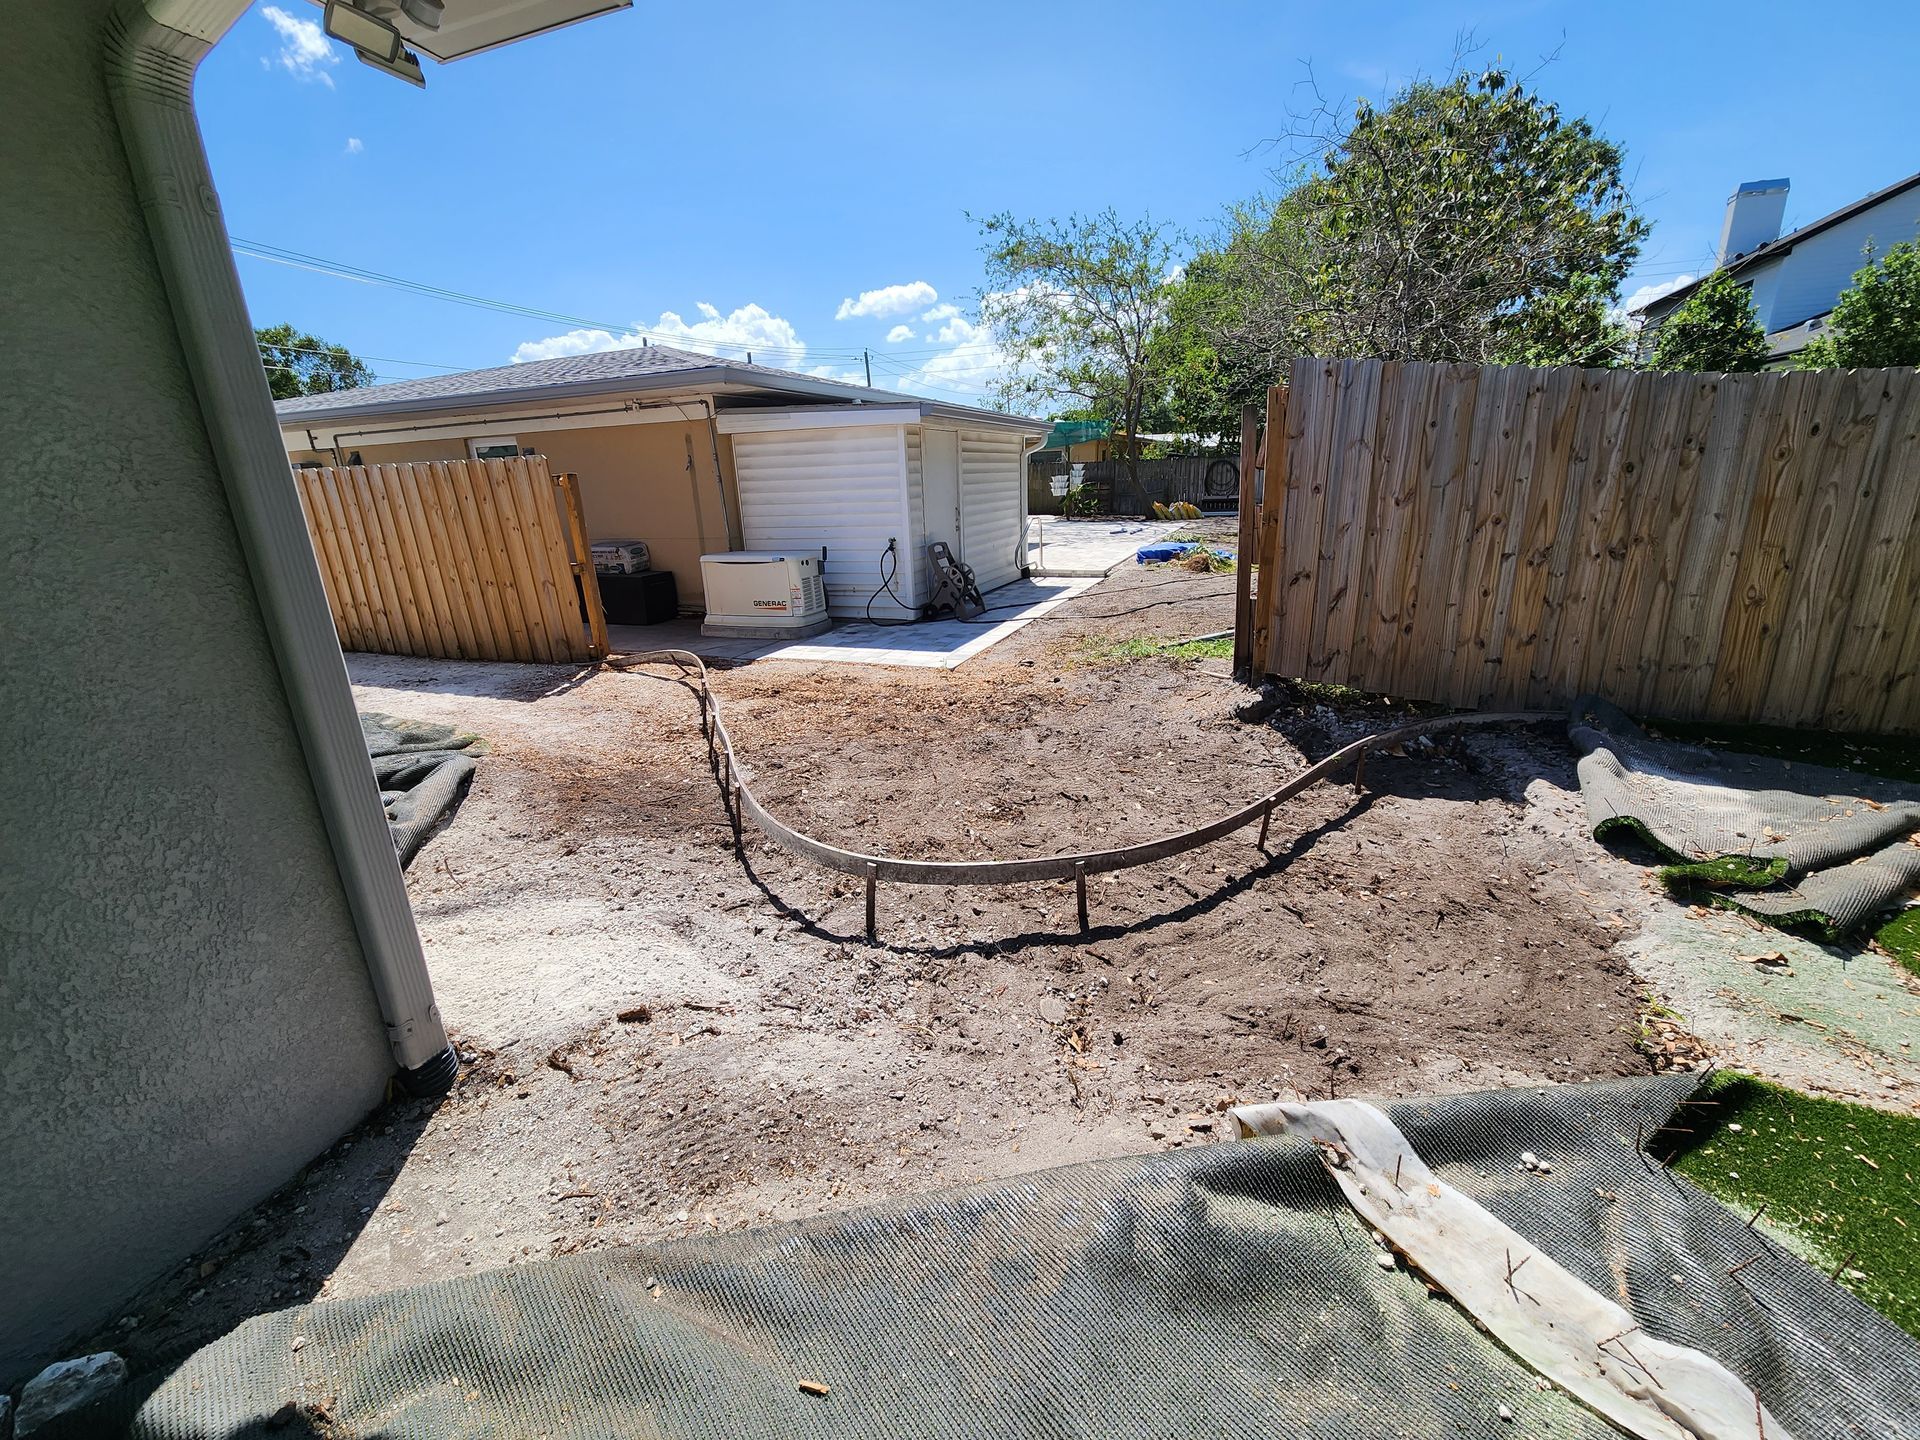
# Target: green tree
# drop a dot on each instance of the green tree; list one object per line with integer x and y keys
{"x": 301, "y": 364}
{"x": 1715, "y": 328}
{"x": 1468, "y": 219}
{"x": 1077, "y": 305}
{"x": 1876, "y": 323}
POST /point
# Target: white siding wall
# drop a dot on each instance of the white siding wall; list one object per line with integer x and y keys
{"x": 990, "y": 482}
{"x": 844, "y": 489}
{"x": 1807, "y": 281}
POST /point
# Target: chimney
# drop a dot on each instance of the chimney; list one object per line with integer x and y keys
{"x": 1754, "y": 212}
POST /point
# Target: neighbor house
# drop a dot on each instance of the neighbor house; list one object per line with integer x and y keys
{"x": 1796, "y": 278}
{"x": 695, "y": 455}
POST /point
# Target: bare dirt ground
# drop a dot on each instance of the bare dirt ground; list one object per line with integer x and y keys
{"x": 667, "y": 1035}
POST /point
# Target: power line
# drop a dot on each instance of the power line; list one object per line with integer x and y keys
{"x": 281, "y": 255}
{"x": 266, "y": 345}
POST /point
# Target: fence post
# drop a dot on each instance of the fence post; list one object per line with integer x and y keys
{"x": 568, "y": 487}
{"x": 1272, "y": 465}
{"x": 1243, "y": 558}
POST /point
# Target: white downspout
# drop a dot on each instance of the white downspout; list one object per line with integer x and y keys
{"x": 1027, "y": 452}
{"x": 152, "y": 54}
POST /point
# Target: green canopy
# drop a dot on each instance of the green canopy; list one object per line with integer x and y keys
{"x": 1076, "y": 432}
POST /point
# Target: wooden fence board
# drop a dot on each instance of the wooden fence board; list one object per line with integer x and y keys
{"x": 320, "y": 526}
{"x": 1342, "y": 522}
{"x": 346, "y": 557}
{"x": 371, "y": 544}
{"x": 1539, "y": 503}
{"x": 453, "y": 583}
{"x": 1856, "y": 689}
{"x": 461, "y": 559}
{"x": 1401, "y": 433}
{"x": 1707, "y": 536}
{"x": 1315, "y": 393}
{"x": 1695, "y": 546}
{"x": 1275, "y": 449}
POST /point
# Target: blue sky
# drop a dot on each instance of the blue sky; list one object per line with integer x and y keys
{"x": 796, "y": 178}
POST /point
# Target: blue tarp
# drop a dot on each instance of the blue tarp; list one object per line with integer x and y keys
{"x": 1163, "y": 550}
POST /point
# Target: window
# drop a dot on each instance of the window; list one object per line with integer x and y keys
{"x": 493, "y": 447}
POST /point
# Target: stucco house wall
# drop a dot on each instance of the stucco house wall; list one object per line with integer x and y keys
{"x": 185, "y": 1015}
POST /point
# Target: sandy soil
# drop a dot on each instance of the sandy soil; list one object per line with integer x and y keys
{"x": 666, "y": 1034}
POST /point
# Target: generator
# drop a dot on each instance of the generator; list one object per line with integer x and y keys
{"x": 763, "y": 594}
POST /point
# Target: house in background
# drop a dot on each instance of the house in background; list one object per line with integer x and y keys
{"x": 1795, "y": 279}
{"x": 696, "y": 455}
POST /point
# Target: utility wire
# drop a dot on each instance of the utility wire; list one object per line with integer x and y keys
{"x": 266, "y": 346}
{"x": 280, "y": 255}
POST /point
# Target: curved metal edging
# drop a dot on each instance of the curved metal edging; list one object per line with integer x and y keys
{"x": 1050, "y": 867}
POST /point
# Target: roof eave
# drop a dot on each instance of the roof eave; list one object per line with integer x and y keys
{"x": 706, "y": 378}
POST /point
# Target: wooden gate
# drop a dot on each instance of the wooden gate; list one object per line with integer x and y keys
{"x": 463, "y": 559}
{"x": 1728, "y": 547}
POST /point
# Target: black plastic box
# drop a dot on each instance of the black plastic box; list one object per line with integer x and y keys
{"x": 649, "y": 598}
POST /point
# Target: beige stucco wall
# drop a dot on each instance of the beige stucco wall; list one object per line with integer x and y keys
{"x": 647, "y": 482}
{"x": 185, "y": 1015}
{"x": 635, "y": 484}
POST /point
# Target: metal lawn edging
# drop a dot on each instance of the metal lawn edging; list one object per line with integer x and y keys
{"x": 742, "y": 801}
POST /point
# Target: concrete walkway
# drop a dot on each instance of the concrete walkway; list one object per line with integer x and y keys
{"x": 926, "y": 644}
{"x": 1058, "y": 547}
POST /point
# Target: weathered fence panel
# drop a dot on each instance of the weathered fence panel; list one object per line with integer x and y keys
{"x": 1729, "y": 547}
{"x": 461, "y": 559}
{"x": 1210, "y": 482}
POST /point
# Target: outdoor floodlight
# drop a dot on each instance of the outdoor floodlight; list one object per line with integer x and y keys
{"x": 369, "y": 36}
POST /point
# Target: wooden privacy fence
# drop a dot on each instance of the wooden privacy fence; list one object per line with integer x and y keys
{"x": 1729, "y": 547}
{"x": 466, "y": 559}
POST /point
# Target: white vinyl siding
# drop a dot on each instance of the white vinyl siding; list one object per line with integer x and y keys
{"x": 990, "y": 483}
{"x": 844, "y": 489}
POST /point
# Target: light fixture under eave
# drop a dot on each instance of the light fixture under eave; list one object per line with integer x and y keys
{"x": 406, "y": 67}
{"x": 369, "y": 35}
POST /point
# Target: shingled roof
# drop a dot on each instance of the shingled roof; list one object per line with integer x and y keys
{"x": 646, "y": 367}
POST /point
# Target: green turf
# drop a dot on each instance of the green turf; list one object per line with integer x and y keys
{"x": 1117, "y": 652}
{"x": 1900, "y": 938}
{"x": 1725, "y": 872}
{"x": 1802, "y": 1157}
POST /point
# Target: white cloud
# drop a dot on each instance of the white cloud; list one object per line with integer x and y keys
{"x": 354, "y": 147}
{"x": 305, "y": 50}
{"x": 1647, "y": 294}
{"x": 887, "y": 300}
{"x": 971, "y": 365}
{"x": 946, "y": 310}
{"x": 771, "y": 338}
{"x": 958, "y": 330}
{"x": 749, "y": 326}
{"x": 965, "y": 372}
{"x": 899, "y": 333}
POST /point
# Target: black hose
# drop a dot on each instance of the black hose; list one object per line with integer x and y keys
{"x": 891, "y": 553}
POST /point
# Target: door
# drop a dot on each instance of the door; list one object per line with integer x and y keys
{"x": 940, "y": 473}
